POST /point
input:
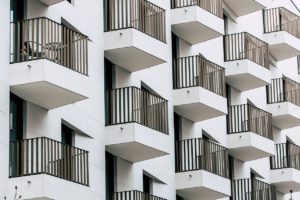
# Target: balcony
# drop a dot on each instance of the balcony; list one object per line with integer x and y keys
{"x": 201, "y": 167}
{"x": 134, "y": 195}
{"x": 249, "y": 133}
{"x": 283, "y": 98}
{"x": 48, "y": 60}
{"x": 46, "y": 162}
{"x": 252, "y": 189}
{"x": 197, "y": 21}
{"x": 246, "y": 61}
{"x": 138, "y": 124}
{"x": 244, "y": 7}
{"x": 135, "y": 34}
{"x": 51, "y": 2}
{"x": 199, "y": 89}
{"x": 282, "y": 33}
{"x": 285, "y": 168}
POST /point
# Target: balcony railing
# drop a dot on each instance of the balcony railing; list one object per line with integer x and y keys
{"x": 241, "y": 46}
{"x": 213, "y": 6}
{"x": 252, "y": 189}
{"x": 132, "y": 104}
{"x": 139, "y": 14}
{"x": 287, "y": 155}
{"x": 134, "y": 195}
{"x": 46, "y": 156}
{"x": 283, "y": 90}
{"x": 248, "y": 118}
{"x": 201, "y": 154}
{"x": 281, "y": 19}
{"x": 42, "y": 38}
{"x": 196, "y": 71}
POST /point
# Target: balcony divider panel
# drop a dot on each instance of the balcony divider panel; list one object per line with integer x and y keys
{"x": 287, "y": 155}
{"x": 281, "y": 19}
{"x": 201, "y": 154}
{"x": 239, "y": 46}
{"x": 134, "y": 195}
{"x": 139, "y": 14}
{"x": 252, "y": 189}
{"x": 46, "y": 156}
{"x": 196, "y": 71}
{"x": 42, "y": 38}
{"x": 215, "y": 7}
{"x": 248, "y": 118}
{"x": 283, "y": 90}
{"x": 131, "y": 104}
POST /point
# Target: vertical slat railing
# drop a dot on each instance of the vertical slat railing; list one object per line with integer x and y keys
{"x": 46, "y": 156}
{"x": 134, "y": 195}
{"x": 287, "y": 155}
{"x": 196, "y": 71}
{"x": 139, "y": 14}
{"x": 246, "y": 118}
{"x": 131, "y": 104}
{"x": 42, "y": 38}
{"x": 239, "y": 46}
{"x": 215, "y": 7}
{"x": 283, "y": 90}
{"x": 201, "y": 154}
{"x": 281, "y": 19}
{"x": 252, "y": 189}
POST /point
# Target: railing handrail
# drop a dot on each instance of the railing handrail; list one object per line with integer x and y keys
{"x": 57, "y": 23}
{"x": 237, "y": 44}
{"x": 192, "y": 71}
{"x": 43, "y": 38}
{"x": 130, "y": 9}
{"x": 183, "y": 3}
{"x": 247, "y": 117}
{"x": 50, "y": 139}
{"x": 206, "y": 140}
{"x": 42, "y": 155}
{"x": 134, "y": 198}
{"x": 144, "y": 91}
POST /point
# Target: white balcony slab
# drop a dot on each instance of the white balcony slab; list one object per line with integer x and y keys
{"x": 286, "y": 179}
{"x": 47, "y": 84}
{"x": 46, "y": 187}
{"x": 246, "y": 75}
{"x": 202, "y": 185}
{"x": 134, "y": 142}
{"x": 51, "y": 2}
{"x": 248, "y": 146}
{"x": 282, "y": 45}
{"x": 134, "y": 50}
{"x": 198, "y": 104}
{"x": 194, "y": 24}
{"x": 284, "y": 115}
{"x": 244, "y": 7}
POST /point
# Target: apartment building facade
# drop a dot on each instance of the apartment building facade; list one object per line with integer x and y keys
{"x": 149, "y": 99}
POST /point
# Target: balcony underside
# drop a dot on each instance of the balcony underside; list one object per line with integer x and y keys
{"x": 284, "y": 115}
{"x": 51, "y": 2}
{"x": 47, "y": 84}
{"x": 282, "y": 45}
{"x": 46, "y": 187}
{"x": 202, "y": 185}
{"x": 244, "y": 7}
{"x": 249, "y": 146}
{"x": 246, "y": 75}
{"x": 133, "y": 50}
{"x": 286, "y": 179}
{"x": 198, "y": 104}
{"x": 134, "y": 142}
{"x": 194, "y": 24}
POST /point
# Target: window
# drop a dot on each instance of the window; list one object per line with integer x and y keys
{"x": 110, "y": 162}
{"x": 147, "y": 184}
{"x": 67, "y": 135}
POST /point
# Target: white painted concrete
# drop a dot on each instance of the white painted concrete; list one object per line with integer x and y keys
{"x": 194, "y": 24}
{"x": 286, "y": 179}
